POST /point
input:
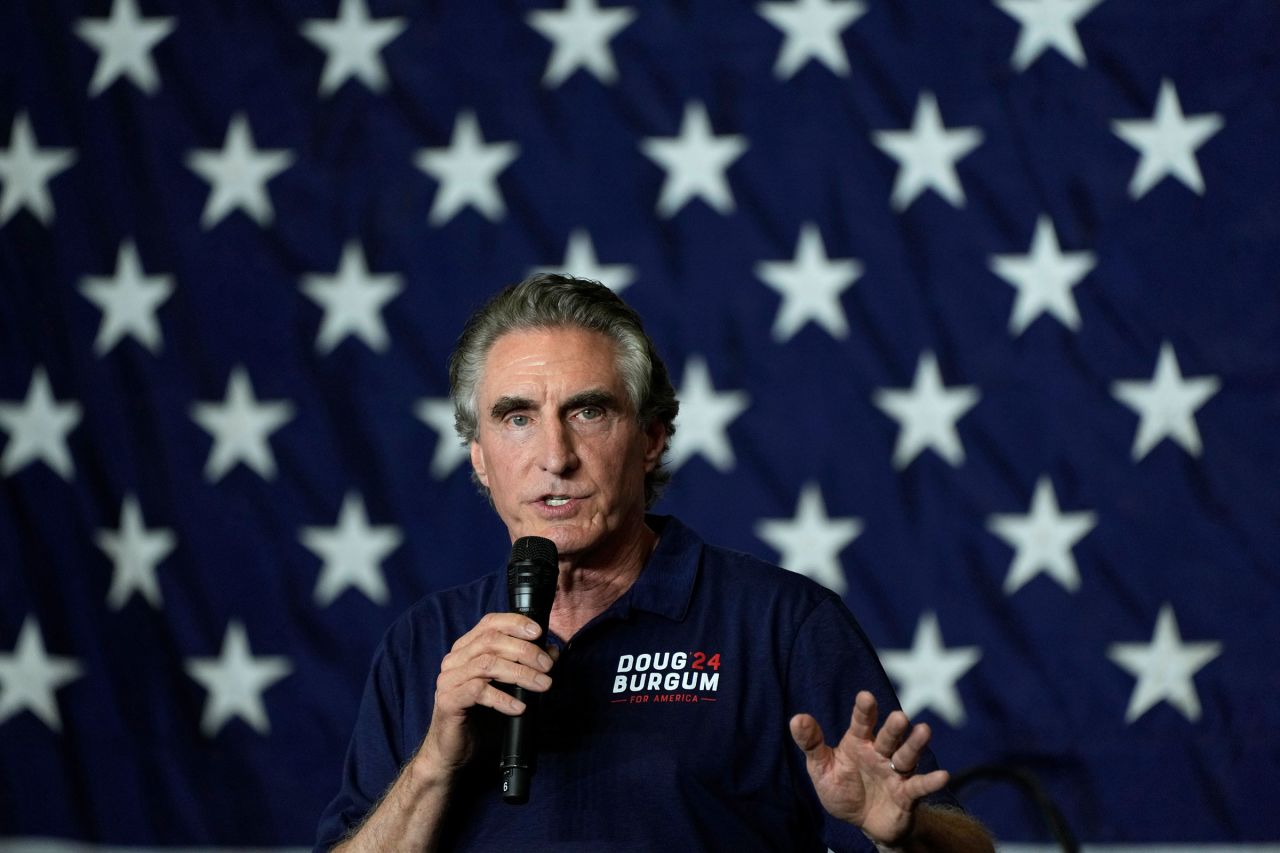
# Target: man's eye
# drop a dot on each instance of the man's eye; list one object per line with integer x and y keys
{"x": 591, "y": 413}
{"x": 518, "y": 420}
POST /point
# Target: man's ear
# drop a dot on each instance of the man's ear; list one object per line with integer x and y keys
{"x": 655, "y": 439}
{"x": 477, "y": 462}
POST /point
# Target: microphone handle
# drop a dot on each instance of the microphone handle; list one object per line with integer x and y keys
{"x": 518, "y": 755}
{"x": 531, "y": 590}
{"x": 517, "y": 766}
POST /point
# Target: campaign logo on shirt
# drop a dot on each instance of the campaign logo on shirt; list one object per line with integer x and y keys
{"x": 666, "y": 677}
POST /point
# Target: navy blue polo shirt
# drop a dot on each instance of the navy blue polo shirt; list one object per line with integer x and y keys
{"x": 666, "y": 727}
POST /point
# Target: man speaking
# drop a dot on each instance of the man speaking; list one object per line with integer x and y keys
{"x": 682, "y": 690}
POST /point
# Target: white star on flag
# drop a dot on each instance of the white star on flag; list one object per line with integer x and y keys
{"x": 1164, "y": 668}
{"x": 1043, "y": 539}
{"x": 695, "y": 163}
{"x": 38, "y": 428}
{"x": 811, "y": 542}
{"x": 352, "y": 299}
{"x": 1044, "y": 278}
{"x": 811, "y": 285}
{"x": 135, "y": 553}
{"x": 437, "y": 413}
{"x": 467, "y": 171}
{"x": 30, "y": 676}
{"x": 26, "y": 169}
{"x": 124, "y": 42}
{"x": 352, "y": 42}
{"x": 1167, "y": 143}
{"x": 927, "y": 155}
{"x": 926, "y": 674}
{"x": 580, "y": 35}
{"x": 238, "y": 175}
{"x": 235, "y": 681}
{"x": 703, "y": 423}
{"x": 1166, "y": 404}
{"x": 353, "y": 551}
{"x": 128, "y": 301}
{"x": 1047, "y": 24}
{"x": 580, "y": 261}
{"x": 927, "y": 414}
{"x": 812, "y": 29}
{"x": 241, "y": 428}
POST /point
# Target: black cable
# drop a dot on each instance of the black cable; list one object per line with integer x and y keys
{"x": 1025, "y": 781}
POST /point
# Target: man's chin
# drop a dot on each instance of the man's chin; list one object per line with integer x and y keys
{"x": 570, "y": 542}
{"x": 566, "y": 534}
{"x": 573, "y": 541}
{"x": 577, "y": 538}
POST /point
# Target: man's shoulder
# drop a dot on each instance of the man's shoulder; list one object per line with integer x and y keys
{"x": 478, "y": 591}
{"x": 441, "y": 612}
{"x": 735, "y": 569}
{"x": 753, "y": 574}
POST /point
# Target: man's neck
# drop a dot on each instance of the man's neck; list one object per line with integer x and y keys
{"x": 586, "y": 589}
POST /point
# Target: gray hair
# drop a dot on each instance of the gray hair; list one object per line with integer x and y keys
{"x": 548, "y": 301}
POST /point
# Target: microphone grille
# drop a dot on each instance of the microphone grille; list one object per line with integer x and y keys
{"x": 535, "y": 549}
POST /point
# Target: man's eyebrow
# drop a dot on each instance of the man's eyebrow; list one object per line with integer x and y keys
{"x": 504, "y": 406}
{"x": 596, "y": 397}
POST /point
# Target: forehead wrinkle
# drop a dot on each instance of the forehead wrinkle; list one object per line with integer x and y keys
{"x": 532, "y": 362}
{"x": 538, "y": 347}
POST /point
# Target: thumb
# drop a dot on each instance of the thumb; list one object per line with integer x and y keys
{"x": 806, "y": 732}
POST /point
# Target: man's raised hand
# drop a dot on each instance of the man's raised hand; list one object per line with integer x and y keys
{"x": 868, "y": 778}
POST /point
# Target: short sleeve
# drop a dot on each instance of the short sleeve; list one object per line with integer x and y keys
{"x": 374, "y": 756}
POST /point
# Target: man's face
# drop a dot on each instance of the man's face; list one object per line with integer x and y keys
{"x": 558, "y": 444}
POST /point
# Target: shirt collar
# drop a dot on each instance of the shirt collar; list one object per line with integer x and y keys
{"x": 665, "y": 587}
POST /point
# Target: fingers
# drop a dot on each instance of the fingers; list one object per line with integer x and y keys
{"x": 457, "y": 698}
{"x": 891, "y": 734}
{"x": 907, "y": 756}
{"x": 507, "y": 635}
{"x": 926, "y": 784}
{"x": 498, "y": 649}
{"x": 897, "y": 740}
{"x": 508, "y": 624}
{"x": 865, "y": 711}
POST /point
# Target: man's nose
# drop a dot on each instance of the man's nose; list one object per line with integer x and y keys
{"x": 558, "y": 454}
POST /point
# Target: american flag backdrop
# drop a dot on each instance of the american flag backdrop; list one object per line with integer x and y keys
{"x": 973, "y": 306}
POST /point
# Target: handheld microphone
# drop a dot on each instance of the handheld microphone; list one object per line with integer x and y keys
{"x": 531, "y": 587}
